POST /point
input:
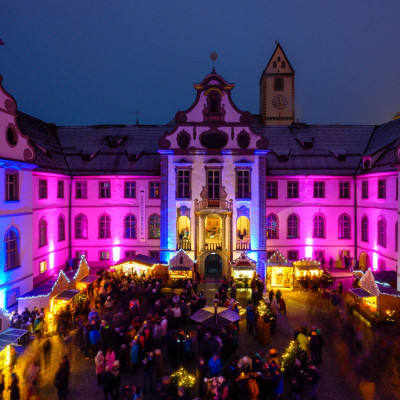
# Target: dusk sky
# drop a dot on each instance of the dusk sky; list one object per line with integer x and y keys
{"x": 96, "y": 62}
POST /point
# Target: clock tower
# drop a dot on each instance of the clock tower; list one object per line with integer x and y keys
{"x": 277, "y": 90}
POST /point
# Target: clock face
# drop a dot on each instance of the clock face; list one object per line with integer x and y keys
{"x": 279, "y": 102}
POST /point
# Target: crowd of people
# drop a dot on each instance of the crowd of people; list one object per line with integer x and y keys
{"x": 133, "y": 326}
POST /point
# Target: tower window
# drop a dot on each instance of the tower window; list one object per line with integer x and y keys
{"x": 278, "y": 84}
{"x": 274, "y": 64}
{"x": 279, "y": 59}
{"x": 283, "y": 64}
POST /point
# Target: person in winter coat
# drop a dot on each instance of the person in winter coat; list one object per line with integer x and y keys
{"x": 322, "y": 343}
{"x": 297, "y": 380}
{"x": 61, "y": 381}
{"x": 274, "y": 308}
{"x": 253, "y": 388}
{"x": 313, "y": 377}
{"x": 201, "y": 373}
{"x": 14, "y": 388}
{"x": 108, "y": 380}
{"x": 315, "y": 346}
{"x": 135, "y": 356}
{"x": 159, "y": 364}
{"x": 116, "y": 370}
{"x": 148, "y": 371}
{"x": 99, "y": 361}
{"x": 94, "y": 339}
{"x": 214, "y": 365}
{"x": 110, "y": 358}
{"x": 282, "y": 305}
{"x": 233, "y": 291}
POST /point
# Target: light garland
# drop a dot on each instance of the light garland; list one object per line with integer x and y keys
{"x": 287, "y": 357}
{"x": 183, "y": 378}
{"x": 277, "y": 252}
{"x": 47, "y": 295}
{"x": 262, "y": 309}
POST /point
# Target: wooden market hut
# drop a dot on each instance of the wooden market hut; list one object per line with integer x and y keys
{"x": 9, "y": 337}
{"x": 139, "y": 264}
{"x": 376, "y": 297}
{"x": 82, "y": 278}
{"x": 279, "y": 271}
{"x": 181, "y": 266}
{"x": 243, "y": 268}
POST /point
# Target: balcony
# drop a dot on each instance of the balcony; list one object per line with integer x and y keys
{"x": 243, "y": 244}
{"x": 183, "y": 244}
{"x": 213, "y": 203}
{"x": 212, "y": 246}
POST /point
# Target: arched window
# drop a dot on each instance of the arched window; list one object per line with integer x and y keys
{"x": 272, "y": 227}
{"x": 104, "y": 227}
{"x": 274, "y": 64}
{"x": 154, "y": 226}
{"x": 293, "y": 226}
{"x": 364, "y": 229}
{"x": 319, "y": 226}
{"x": 344, "y": 226}
{"x": 130, "y": 226}
{"x": 214, "y": 102}
{"x": 42, "y": 232}
{"x": 11, "y": 242}
{"x": 61, "y": 228}
{"x": 81, "y": 227}
{"x": 382, "y": 232}
{"x": 283, "y": 64}
{"x": 278, "y": 84}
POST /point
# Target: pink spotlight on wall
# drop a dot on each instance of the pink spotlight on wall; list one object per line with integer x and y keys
{"x": 375, "y": 261}
{"x": 51, "y": 255}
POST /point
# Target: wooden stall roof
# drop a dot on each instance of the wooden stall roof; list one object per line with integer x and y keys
{"x": 67, "y": 294}
{"x": 278, "y": 260}
{"x": 361, "y": 293}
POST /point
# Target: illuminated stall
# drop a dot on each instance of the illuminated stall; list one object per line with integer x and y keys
{"x": 41, "y": 296}
{"x": 307, "y": 267}
{"x": 279, "y": 271}
{"x": 377, "y": 297}
{"x": 181, "y": 266}
{"x": 82, "y": 279}
{"x": 9, "y": 337}
{"x": 137, "y": 265}
{"x": 243, "y": 269}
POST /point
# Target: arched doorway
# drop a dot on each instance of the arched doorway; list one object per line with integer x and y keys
{"x": 213, "y": 265}
{"x": 364, "y": 262}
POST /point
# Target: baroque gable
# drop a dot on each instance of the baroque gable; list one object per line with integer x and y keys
{"x": 213, "y": 122}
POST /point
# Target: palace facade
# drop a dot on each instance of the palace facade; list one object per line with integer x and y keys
{"x": 215, "y": 181}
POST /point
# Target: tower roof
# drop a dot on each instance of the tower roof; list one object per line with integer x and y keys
{"x": 278, "y": 52}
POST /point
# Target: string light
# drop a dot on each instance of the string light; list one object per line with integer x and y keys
{"x": 183, "y": 378}
{"x": 262, "y": 309}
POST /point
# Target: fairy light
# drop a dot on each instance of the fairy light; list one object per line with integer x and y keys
{"x": 183, "y": 378}
{"x": 288, "y": 355}
{"x": 261, "y": 309}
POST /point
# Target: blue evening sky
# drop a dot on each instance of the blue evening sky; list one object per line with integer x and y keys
{"x": 81, "y": 62}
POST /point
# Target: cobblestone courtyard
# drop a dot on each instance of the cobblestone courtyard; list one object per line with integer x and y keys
{"x": 302, "y": 308}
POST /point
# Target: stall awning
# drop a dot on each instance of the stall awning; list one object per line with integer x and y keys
{"x": 11, "y": 336}
{"x": 67, "y": 294}
{"x": 89, "y": 278}
{"x": 361, "y": 293}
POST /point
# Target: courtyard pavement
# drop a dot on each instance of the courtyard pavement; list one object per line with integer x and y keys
{"x": 338, "y": 380}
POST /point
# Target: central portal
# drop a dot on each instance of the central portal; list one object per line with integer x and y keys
{"x": 213, "y": 264}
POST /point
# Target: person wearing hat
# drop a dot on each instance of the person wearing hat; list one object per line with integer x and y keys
{"x": 108, "y": 380}
{"x": 315, "y": 345}
{"x": 116, "y": 370}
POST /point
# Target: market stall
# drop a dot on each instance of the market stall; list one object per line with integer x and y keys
{"x": 307, "y": 267}
{"x": 82, "y": 278}
{"x": 181, "y": 266}
{"x": 137, "y": 265}
{"x": 279, "y": 271}
{"x": 9, "y": 337}
{"x": 376, "y": 298}
{"x": 42, "y": 295}
{"x": 243, "y": 270}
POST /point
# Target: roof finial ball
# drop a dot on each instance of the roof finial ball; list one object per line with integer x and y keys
{"x": 213, "y": 57}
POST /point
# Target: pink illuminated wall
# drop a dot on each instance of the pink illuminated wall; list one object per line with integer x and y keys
{"x": 55, "y": 252}
{"x": 117, "y": 208}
